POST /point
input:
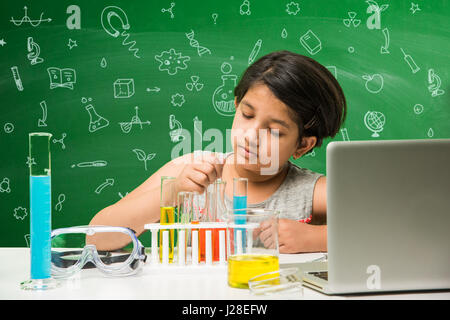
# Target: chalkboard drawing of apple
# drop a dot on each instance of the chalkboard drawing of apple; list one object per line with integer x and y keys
{"x": 374, "y": 83}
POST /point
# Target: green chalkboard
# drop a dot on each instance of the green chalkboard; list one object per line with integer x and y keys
{"x": 115, "y": 81}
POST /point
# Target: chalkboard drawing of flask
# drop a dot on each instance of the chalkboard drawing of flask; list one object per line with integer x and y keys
{"x": 96, "y": 121}
{"x": 223, "y": 97}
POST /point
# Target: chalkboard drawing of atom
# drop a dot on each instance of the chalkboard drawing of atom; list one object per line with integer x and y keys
{"x": 172, "y": 61}
{"x": 106, "y": 19}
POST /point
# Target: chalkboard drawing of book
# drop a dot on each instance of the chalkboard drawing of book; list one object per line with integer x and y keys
{"x": 311, "y": 42}
{"x": 62, "y": 78}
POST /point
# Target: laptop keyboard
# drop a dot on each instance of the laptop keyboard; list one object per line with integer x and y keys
{"x": 321, "y": 274}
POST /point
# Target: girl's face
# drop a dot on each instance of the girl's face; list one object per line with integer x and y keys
{"x": 264, "y": 133}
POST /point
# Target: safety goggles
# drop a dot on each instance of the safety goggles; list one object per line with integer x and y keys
{"x": 71, "y": 251}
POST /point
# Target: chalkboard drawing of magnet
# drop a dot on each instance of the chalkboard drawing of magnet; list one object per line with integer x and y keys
{"x": 223, "y": 97}
{"x": 123, "y": 88}
{"x": 311, "y": 42}
{"x": 96, "y": 121}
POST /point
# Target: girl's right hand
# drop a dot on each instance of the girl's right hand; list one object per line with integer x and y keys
{"x": 199, "y": 173}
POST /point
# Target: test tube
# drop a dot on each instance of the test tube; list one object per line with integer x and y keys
{"x": 184, "y": 214}
{"x": 239, "y": 205}
{"x": 195, "y": 219}
{"x": 40, "y": 216}
{"x": 167, "y": 205}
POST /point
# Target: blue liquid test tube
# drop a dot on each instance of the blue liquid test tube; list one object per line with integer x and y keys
{"x": 40, "y": 216}
{"x": 240, "y": 203}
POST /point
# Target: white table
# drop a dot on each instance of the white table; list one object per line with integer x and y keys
{"x": 162, "y": 283}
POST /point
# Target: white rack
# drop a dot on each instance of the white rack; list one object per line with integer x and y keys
{"x": 183, "y": 254}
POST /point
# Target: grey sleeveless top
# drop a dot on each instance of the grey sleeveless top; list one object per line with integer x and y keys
{"x": 293, "y": 198}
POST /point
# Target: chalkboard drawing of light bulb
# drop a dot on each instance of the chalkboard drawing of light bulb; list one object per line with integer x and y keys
{"x": 175, "y": 129}
{"x": 223, "y": 97}
{"x": 96, "y": 121}
{"x": 375, "y": 122}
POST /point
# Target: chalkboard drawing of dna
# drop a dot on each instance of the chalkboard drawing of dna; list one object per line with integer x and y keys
{"x": 26, "y": 19}
{"x": 112, "y": 11}
{"x": 223, "y": 97}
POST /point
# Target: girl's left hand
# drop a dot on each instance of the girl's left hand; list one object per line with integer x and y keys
{"x": 293, "y": 236}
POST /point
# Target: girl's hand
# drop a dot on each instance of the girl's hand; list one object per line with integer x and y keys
{"x": 294, "y": 236}
{"x": 199, "y": 173}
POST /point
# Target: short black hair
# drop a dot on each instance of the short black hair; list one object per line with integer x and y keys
{"x": 309, "y": 89}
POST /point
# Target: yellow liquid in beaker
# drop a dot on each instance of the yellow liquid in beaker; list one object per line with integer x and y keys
{"x": 243, "y": 267}
{"x": 167, "y": 217}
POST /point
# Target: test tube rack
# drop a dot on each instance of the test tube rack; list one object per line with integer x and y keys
{"x": 182, "y": 255}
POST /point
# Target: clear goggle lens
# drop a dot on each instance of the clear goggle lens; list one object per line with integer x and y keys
{"x": 74, "y": 249}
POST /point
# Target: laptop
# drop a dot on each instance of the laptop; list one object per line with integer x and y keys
{"x": 388, "y": 218}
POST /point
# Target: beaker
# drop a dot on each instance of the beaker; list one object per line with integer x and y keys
{"x": 40, "y": 213}
{"x": 252, "y": 244}
{"x": 167, "y": 206}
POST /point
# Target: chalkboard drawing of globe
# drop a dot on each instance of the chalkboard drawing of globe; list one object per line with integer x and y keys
{"x": 375, "y": 122}
{"x": 223, "y": 97}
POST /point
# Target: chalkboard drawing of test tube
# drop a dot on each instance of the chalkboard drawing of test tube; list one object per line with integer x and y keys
{"x": 311, "y": 42}
{"x": 17, "y": 78}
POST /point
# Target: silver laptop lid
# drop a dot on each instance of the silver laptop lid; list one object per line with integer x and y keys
{"x": 388, "y": 215}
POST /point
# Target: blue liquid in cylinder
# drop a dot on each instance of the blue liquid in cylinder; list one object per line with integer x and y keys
{"x": 40, "y": 226}
{"x": 240, "y": 202}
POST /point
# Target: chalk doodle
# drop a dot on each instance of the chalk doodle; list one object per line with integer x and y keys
{"x": 61, "y": 199}
{"x": 4, "y": 186}
{"x": 108, "y": 182}
{"x": 215, "y": 16}
{"x": 311, "y": 42}
{"x": 2, "y": 42}
{"x": 116, "y": 12}
{"x": 255, "y": 51}
{"x": 175, "y": 129}
{"x": 434, "y": 84}
{"x": 177, "y": 100}
{"x": 410, "y": 61}
{"x": 72, "y": 43}
{"x": 90, "y": 164}
{"x": 61, "y": 141}
{"x": 62, "y": 77}
{"x": 135, "y": 120}
{"x": 41, "y": 122}
{"x": 385, "y": 49}
{"x": 293, "y": 8}
{"x": 351, "y": 20}
{"x": 20, "y": 213}
{"x": 223, "y": 96}
{"x": 96, "y": 121}
{"x": 194, "y": 84}
{"x": 169, "y": 10}
{"x": 8, "y": 127}
{"x": 123, "y": 88}
{"x": 194, "y": 44}
{"x": 144, "y": 157}
{"x": 374, "y": 83}
{"x": 245, "y": 8}
{"x": 17, "y": 78}
{"x": 26, "y": 19}
{"x": 414, "y": 8}
{"x": 34, "y": 50}
{"x": 375, "y": 121}
{"x": 172, "y": 61}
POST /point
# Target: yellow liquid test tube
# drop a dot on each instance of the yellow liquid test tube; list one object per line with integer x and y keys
{"x": 167, "y": 206}
{"x": 167, "y": 217}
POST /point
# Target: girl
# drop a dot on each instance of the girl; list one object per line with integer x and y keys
{"x": 285, "y": 98}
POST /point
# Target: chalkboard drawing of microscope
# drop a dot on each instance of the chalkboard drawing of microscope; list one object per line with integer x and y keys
{"x": 435, "y": 84}
{"x": 175, "y": 129}
{"x": 33, "y": 52}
